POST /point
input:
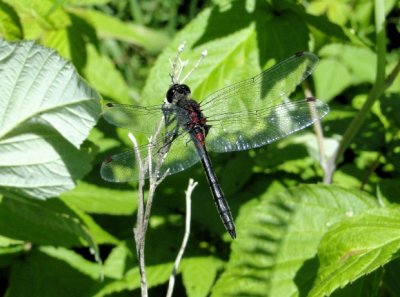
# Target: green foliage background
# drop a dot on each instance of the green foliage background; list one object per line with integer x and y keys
{"x": 296, "y": 237}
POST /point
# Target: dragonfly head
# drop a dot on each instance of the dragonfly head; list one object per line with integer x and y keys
{"x": 177, "y": 92}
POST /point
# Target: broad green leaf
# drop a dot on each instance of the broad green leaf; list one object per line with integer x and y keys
{"x": 277, "y": 240}
{"x": 46, "y": 112}
{"x": 48, "y": 222}
{"x": 50, "y": 271}
{"x": 93, "y": 199}
{"x": 58, "y": 40}
{"x": 235, "y": 52}
{"x": 109, "y": 27}
{"x": 362, "y": 68}
{"x": 97, "y": 233}
{"x": 39, "y": 87}
{"x": 199, "y": 274}
{"x": 355, "y": 247}
{"x": 117, "y": 262}
{"x": 327, "y": 71}
{"x": 156, "y": 275}
{"x": 337, "y": 11}
{"x": 10, "y": 250}
{"x": 48, "y": 14}
{"x": 85, "y": 2}
{"x": 231, "y": 182}
{"x": 6, "y": 241}
{"x": 75, "y": 260}
{"x": 113, "y": 85}
{"x": 10, "y": 25}
{"x": 296, "y": 154}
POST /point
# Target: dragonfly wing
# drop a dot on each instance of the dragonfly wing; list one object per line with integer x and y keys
{"x": 268, "y": 88}
{"x": 122, "y": 167}
{"x": 136, "y": 118}
{"x": 180, "y": 155}
{"x": 246, "y": 130}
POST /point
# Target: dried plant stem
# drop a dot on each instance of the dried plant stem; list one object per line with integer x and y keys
{"x": 151, "y": 168}
{"x": 138, "y": 230}
{"x": 178, "y": 259}
{"x": 143, "y": 212}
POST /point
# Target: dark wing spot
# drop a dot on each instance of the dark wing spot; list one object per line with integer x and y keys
{"x": 108, "y": 160}
{"x": 110, "y": 105}
{"x": 310, "y": 99}
{"x": 299, "y": 54}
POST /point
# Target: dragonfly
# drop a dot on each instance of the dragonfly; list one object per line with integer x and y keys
{"x": 242, "y": 116}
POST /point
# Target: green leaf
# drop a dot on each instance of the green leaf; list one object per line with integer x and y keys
{"x": 199, "y": 274}
{"x": 156, "y": 275}
{"x": 86, "y": 2}
{"x": 110, "y": 27}
{"x": 48, "y": 14}
{"x": 96, "y": 66}
{"x": 231, "y": 181}
{"x": 327, "y": 71}
{"x": 277, "y": 240}
{"x": 97, "y": 233}
{"x": 117, "y": 262}
{"x": 362, "y": 69}
{"x": 10, "y": 25}
{"x": 235, "y": 52}
{"x": 338, "y": 11}
{"x": 355, "y": 247}
{"x": 93, "y": 199}
{"x": 6, "y": 242}
{"x": 48, "y": 222}
{"x": 52, "y": 272}
{"x": 46, "y": 113}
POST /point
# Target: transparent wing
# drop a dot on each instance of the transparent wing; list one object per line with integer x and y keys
{"x": 136, "y": 118}
{"x": 266, "y": 89}
{"x": 124, "y": 167}
{"x": 246, "y": 130}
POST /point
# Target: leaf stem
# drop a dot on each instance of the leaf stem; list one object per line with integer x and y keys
{"x": 317, "y": 129}
{"x": 143, "y": 213}
{"x": 376, "y": 91}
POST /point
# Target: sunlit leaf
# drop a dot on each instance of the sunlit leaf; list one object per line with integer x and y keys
{"x": 46, "y": 113}
{"x": 199, "y": 274}
{"x": 10, "y": 25}
{"x": 275, "y": 253}
{"x": 355, "y": 247}
{"x": 55, "y": 271}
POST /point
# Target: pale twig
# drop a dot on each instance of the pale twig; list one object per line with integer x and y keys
{"x": 178, "y": 259}
{"x": 143, "y": 214}
{"x": 202, "y": 56}
{"x": 138, "y": 230}
{"x": 317, "y": 128}
{"x": 151, "y": 167}
{"x": 177, "y": 64}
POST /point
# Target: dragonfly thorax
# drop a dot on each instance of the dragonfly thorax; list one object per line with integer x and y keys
{"x": 177, "y": 92}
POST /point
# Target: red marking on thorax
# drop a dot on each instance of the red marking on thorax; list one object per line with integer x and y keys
{"x": 200, "y": 137}
{"x": 196, "y": 123}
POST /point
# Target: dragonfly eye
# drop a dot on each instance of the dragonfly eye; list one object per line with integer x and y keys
{"x": 177, "y": 91}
